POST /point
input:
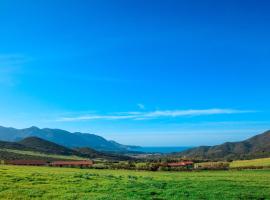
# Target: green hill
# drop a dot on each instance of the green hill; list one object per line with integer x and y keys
{"x": 37, "y": 148}
{"x": 88, "y": 152}
{"x": 255, "y": 147}
{"x": 44, "y": 146}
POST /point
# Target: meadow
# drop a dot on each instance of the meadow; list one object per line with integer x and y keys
{"x": 19, "y": 182}
{"x": 40, "y": 155}
{"x": 263, "y": 162}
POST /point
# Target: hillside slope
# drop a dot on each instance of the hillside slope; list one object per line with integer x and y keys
{"x": 255, "y": 147}
{"x": 62, "y": 137}
{"x": 37, "y": 148}
{"x": 44, "y": 146}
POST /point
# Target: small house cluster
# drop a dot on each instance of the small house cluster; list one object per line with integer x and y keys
{"x": 181, "y": 164}
{"x": 178, "y": 166}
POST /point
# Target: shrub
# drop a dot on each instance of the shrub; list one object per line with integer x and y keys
{"x": 212, "y": 166}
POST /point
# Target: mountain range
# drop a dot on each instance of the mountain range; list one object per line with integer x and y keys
{"x": 254, "y": 147}
{"x": 40, "y": 149}
{"x": 62, "y": 137}
{"x": 80, "y": 144}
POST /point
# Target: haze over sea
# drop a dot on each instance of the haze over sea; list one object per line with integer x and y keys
{"x": 157, "y": 149}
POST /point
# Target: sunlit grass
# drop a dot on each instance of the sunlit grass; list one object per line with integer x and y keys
{"x": 66, "y": 183}
{"x": 31, "y": 153}
{"x": 264, "y": 162}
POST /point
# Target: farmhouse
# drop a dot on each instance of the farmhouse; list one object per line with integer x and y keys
{"x": 187, "y": 164}
{"x": 27, "y": 162}
{"x": 81, "y": 163}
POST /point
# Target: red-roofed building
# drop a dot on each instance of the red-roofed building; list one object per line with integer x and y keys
{"x": 180, "y": 164}
{"x": 79, "y": 163}
{"x": 185, "y": 164}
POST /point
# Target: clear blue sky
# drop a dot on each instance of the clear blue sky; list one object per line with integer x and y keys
{"x": 152, "y": 73}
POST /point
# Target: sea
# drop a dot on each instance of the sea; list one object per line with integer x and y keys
{"x": 159, "y": 149}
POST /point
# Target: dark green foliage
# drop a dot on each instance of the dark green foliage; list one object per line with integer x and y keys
{"x": 44, "y": 146}
{"x": 213, "y": 166}
{"x": 91, "y": 153}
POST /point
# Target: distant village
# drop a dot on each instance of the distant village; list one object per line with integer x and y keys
{"x": 90, "y": 164}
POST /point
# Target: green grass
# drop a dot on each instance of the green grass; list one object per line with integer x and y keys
{"x": 65, "y": 183}
{"x": 31, "y": 153}
{"x": 263, "y": 162}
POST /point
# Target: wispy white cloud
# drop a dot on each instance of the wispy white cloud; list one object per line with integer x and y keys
{"x": 177, "y": 113}
{"x": 95, "y": 117}
{"x": 153, "y": 114}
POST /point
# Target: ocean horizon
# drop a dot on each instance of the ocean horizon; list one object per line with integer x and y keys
{"x": 160, "y": 149}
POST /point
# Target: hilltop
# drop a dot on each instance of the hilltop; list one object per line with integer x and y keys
{"x": 254, "y": 147}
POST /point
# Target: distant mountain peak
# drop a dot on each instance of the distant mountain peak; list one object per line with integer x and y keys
{"x": 62, "y": 137}
{"x": 34, "y": 128}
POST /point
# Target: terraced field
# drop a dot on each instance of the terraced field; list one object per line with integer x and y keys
{"x": 66, "y": 183}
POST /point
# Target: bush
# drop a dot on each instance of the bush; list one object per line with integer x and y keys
{"x": 100, "y": 166}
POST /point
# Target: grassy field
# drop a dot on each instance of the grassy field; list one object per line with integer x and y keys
{"x": 66, "y": 183}
{"x": 41, "y": 155}
{"x": 264, "y": 162}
